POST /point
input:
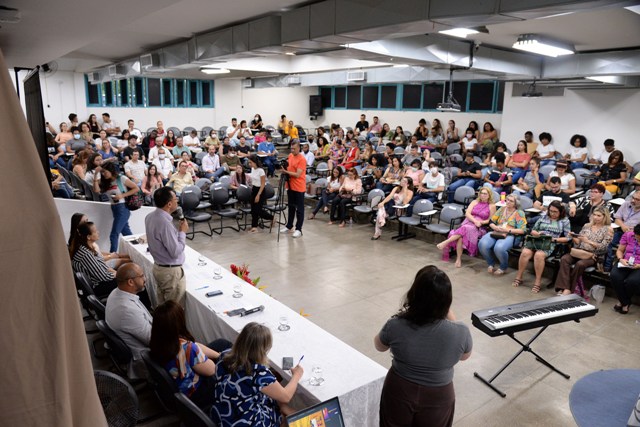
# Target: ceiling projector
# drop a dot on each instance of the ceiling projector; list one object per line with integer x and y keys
{"x": 449, "y": 107}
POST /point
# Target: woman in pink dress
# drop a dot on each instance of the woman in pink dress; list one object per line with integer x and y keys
{"x": 468, "y": 235}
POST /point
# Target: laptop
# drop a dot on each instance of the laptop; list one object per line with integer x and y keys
{"x": 324, "y": 414}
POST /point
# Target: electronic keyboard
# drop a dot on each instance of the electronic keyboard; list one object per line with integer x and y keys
{"x": 531, "y": 314}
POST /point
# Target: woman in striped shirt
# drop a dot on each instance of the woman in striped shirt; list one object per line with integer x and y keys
{"x": 85, "y": 259}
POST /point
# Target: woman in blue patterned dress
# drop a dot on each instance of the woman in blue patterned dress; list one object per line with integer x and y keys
{"x": 246, "y": 392}
{"x": 554, "y": 224}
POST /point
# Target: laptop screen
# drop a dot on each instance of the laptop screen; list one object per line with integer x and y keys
{"x": 324, "y": 414}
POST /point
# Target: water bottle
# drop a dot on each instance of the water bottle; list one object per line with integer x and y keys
{"x": 503, "y": 196}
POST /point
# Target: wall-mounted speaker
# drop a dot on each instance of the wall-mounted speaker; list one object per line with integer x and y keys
{"x": 315, "y": 105}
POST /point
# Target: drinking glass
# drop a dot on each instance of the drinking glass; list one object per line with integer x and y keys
{"x": 202, "y": 261}
{"x": 217, "y": 273}
{"x": 316, "y": 376}
{"x": 237, "y": 291}
{"x": 284, "y": 324}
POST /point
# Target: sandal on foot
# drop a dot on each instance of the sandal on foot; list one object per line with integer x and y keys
{"x": 536, "y": 288}
{"x": 490, "y": 269}
{"x": 312, "y": 216}
{"x": 517, "y": 282}
{"x": 375, "y": 237}
{"x": 498, "y": 272}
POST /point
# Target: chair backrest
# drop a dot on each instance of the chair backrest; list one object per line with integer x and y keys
{"x": 269, "y": 192}
{"x": 175, "y": 130}
{"x": 225, "y": 181}
{"x": 222, "y": 132}
{"x": 381, "y": 148}
{"x": 398, "y": 151}
{"x": 244, "y": 194}
{"x": 322, "y": 166}
{"x": 83, "y": 284}
{"x": 164, "y": 386}
{"x": 98, "y": 310}
{"x": 219, "y": 194}
{"x": 321, "y": 182}
{"x": 607, "y": 196}
{"x": 546, "y": 170}
{"x": 200, "y": 156}
{"x": 190, "y": 414}
{"x": 454, "y": 171}
{"x": 205, "y": 131}
{"x": 187, "y": 130}
{"x": 374, "y": 140}
{"x": 408, "y": 134}
{"x": 376, "y": 192}
{"x": 525, "y": 203}
{"x": 150, "y": 130}
{"x": 453, "y": 148}
{"x": 464, "y": 195}
{"x": 118, "y": 350}
{"x": 578, "y": 173}
{"x": 118, "y": 399}
{"x": 450, "y": 212}
{"x": 477, "y": 159}
{"x": 635, "y": 169}
{"x": 203, "y": 184}
{"x": 190, "y": 198}
{"x": 422, "y": 205}
{"x": 496, "y": 197}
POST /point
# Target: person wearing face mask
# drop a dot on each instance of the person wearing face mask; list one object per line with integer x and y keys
{"x": 256, "y": 124}
{"x": 230, "y": 160}
{"x": 469, "y": 142}
{"x": 268, "y": 156}
{"x": 431, "y": 186}
{"x": 153, "y": 152}
{"x": 414, "y": 171}
{"x": 164, "y": 165}
{"x": 76, "y": 143}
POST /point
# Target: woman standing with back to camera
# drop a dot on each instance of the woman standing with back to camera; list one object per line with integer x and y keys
{"x": 426, "y": 342}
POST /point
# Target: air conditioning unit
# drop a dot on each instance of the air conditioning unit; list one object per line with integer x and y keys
{"x": 356, "y": 76}
{"x": 247, "y": 83}
{"x": 94, "y": 77}
{"x": 293, "y": 80}
{"x": 117, "y": 71}
{"x": 149, "y": 60}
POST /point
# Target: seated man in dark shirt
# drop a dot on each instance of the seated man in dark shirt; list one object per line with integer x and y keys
{"x": 146, "y": 142}
{"x": 469, "y": 175}
{"x": 580, "y": 216}
{"x": 133, "y": 146}
{"x": 555, "y": 193}
{"x": 363, "y": 124}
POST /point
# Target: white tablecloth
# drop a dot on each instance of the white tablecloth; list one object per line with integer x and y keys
{"x": 350, "y": 375}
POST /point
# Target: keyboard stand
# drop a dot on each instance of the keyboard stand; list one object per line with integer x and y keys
{"x": 525, "y": 347}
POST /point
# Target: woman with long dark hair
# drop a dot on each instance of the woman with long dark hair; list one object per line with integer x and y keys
{"x": 86, "y": 259}
{"x": 189, "y": 363}
{"x": 426, "y": 342}
{"x": 150, "y": 183}
{"x": 117, "y": 187}
{"x": 258, "y": 196}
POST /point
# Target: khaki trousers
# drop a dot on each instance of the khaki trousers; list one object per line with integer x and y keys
{"x": 170, "y": 284}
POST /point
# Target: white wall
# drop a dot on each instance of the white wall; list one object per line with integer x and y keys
{"x": 597, "y": 114}
{"x": 100, "y": 214}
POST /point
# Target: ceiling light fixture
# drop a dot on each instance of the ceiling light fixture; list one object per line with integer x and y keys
{"x": 606, "y": 79}
{"x": 533, "y": 43}
{"x": 211, "y": 70}
{"x": 459, "y": 32}
{"x": 531, "y": 91}
{"x": 290, "y": 53}
{"x": 634, "y": 9}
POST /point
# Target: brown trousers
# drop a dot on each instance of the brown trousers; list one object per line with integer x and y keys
{"x": 406, "y": 404}
{"x": 567, "y": 277}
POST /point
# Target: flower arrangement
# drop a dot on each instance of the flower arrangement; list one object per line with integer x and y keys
{"x": 243, "y": 273}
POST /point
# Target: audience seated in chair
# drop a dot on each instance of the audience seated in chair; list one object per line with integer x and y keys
{"x": 467, "y": 236}
{"x": 554, "y": 224}
{"x": 588, "y": 246}
{"x": 86, "y": 259}
{"x": 507, "y": 224}
{"x": 469, "y": 175}
{"x": 400, "y": 195}
{"x": 329, "y": 193}
{"x": 350, "y": 188}
{"x": 625, "y": 275}
{"x": 567, "y": 178}
{"x": 613, "y": 173}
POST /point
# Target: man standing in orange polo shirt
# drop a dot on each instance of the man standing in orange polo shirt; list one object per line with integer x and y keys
{"x": 296, "y": 187}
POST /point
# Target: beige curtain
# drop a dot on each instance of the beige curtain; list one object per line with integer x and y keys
{"x": 46, "y": 377}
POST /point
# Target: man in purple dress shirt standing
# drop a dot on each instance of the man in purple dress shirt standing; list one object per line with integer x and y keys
{"x": 166, "y": 245}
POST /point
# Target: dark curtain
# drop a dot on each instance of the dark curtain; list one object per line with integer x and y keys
{"x": 35, "y": 117}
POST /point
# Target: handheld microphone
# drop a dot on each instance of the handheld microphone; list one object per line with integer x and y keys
{"x": 252, "y": 310}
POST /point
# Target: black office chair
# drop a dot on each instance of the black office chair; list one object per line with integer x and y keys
{"x": 118, "y": 399}
{"x": 163, "y": 385}
{"x": 118, "y": 351}
{"x": 190, "y": 414}
{"x": 96, "y": 308}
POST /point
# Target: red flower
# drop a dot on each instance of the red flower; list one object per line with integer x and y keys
{"x": 234, "y": 269}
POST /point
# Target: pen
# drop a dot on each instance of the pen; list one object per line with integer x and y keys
{"x": 204, "y": 287}
{"x": 301, "y": 359}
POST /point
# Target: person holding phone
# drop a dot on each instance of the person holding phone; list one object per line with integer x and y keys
{"x": 246, "y": 391}
{"x": 166, "y": 245}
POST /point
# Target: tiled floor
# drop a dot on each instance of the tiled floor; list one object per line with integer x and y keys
{"x": 351, "y": 285}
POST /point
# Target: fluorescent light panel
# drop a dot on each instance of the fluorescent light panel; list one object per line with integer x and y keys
{"x": 459, "y": 32}
{"x": 214, "y": 70}
{"x": 535, "y": 44}
{"x": 634, "y": 9}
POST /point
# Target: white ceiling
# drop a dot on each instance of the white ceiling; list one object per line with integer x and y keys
{"x": 84, "y": 34}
